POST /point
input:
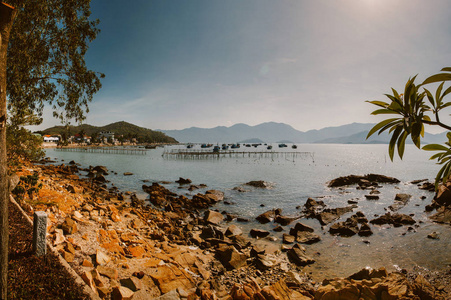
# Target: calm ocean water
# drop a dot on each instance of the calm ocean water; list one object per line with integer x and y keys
{"x": 293, "y": 180}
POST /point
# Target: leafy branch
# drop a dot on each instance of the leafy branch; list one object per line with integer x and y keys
{"x": 413, "y": 112}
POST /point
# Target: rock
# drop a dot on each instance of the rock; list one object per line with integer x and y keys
{"x": 298, "y": 256}
{"x": 233, "y": 230}
{"x": 266, "y": 217}
{"x": 284, "y": 220}
{"x": 133, "y": 283}
{"x": 400, "y": 201}
{"x": 230, "y": 257}
{"x": 69, "y": 257}
{"x": 218, "y": 194}
{"x": 69, "y": 226}
{"x": 128, "y": 173}
{"x": 278, "y": 229}
{"x": 100, "y": 170}
{"x": 58, "y": 237}
{"x": 259, "y": 233}
{"x": 326, "y": 217}
{"x": 172, "y": 295}
{"x": 365, "y": 230}
{"x": 433, "y": 236}
{"x": 213, "y": 217}
{"x": 102, "y": 258}
{"x": 87, "y": 263}
{"x": 121, "y": 293}
{"x": 372, "y": 197}
{"x": 87, "y": 278}
{"x": 313, "y": 204}
{"x": 288, "y": 239}
{"x": 300, "y": 227}
{"x": 111, "y": 273}
{"x": 168, "y": 278}
{"x": 355, "y": 179}
{"x": 183, "y": 181}
{"x": 305, "y": 237}
{"x": 346, "y": 228}
{"x": 395, "y": 219}
{"x": 258, "y": 184}
{"x": 442, "y": 216}
{"x": 263, "y": 262}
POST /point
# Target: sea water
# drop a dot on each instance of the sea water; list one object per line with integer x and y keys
{"x": 293, "y": 179}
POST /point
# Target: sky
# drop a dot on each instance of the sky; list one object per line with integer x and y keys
{"x": 307, "y": 63}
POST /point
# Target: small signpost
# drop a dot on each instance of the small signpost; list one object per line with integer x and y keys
{"x": 39, "y": 233}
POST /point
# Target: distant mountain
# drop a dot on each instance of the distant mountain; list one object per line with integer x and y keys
{"x": 119, "y": 128}
{"x": 384, "y": 138}
{"x": 268, "y": 132}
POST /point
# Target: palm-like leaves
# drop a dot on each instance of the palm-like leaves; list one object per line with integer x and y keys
{"x": 412, "y": 113}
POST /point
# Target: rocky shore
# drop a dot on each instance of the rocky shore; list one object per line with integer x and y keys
{"x": 179, "y": 248}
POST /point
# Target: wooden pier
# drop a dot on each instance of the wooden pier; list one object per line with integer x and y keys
{"x": 104, "y": 150}
{"x": 210, "y": 154}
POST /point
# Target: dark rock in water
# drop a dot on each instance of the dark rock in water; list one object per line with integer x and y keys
{"x": 346, "y": 228}
{"x": 215, "y": 194}
{"x": 239, "y": 189}
{"x": 417, "y": 181}
{"x": 243, "y": 220}
{"x": 300, "y": 227}
{"x": 266, "y": 217}
{"x": 313, "y": 204}
{"x": 365, "y": 230}
{"x": 193, "y": 187}
{"x": 442, "y": 216}
{"x": 400, "y": 201}
{"x": 128, "y": 173}
{"x": 352, "y": 202}
{"x": 259, "y": 233}
{"x": 355, "y": 179}
{"x": 100, "y": 178}
{"x": 288, "y": 239}
{"x": 327, "y": 217}
{"x": 101, "y": 170}
{"x": 72, "y": 162}
{"x": 183, "y": 181}
{"x": 258, "y": 184}
{"x": 372, "y": 197}
{"x": 427, "y": 186}
{"x": 433, "y": 236}
{"x": 305, "y": 237}
{"x": 396, "y": 219}
{"x": 278, "y": 228}
{"x": 298, "y": 256}
{"x": 284, "y": 220}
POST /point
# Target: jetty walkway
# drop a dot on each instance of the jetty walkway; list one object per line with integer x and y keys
{"x": 206, "y": 154}
{"x": 105, "y": 150}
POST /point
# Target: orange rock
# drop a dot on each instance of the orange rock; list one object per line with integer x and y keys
{"x": 87, "y": 278}
{"x": 87, "y": 263}
{"x": 136, "y": 251}
{"x": 170, "y": 278}
{"x": 115, "y": 217}
{"x": 122, "y": 293}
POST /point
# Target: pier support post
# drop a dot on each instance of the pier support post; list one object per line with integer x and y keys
{"x": 39, "y": 233}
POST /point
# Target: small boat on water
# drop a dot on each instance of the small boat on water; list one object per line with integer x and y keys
{"x": 150, "y": 147}
{"x": 216, "y": 149}
{"x": 294, "y": 146}
{"x": 269, "y": 147}
{"x": 225, "y": 147}
{"x": 189, "y": 146}
{"x": 282, "y": 145}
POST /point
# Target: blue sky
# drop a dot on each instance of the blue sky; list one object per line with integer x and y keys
{"x": 308, "y": 63}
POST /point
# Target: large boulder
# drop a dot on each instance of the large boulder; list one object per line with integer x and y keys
{"x": 267, "y": 216}
{"x": 356, "y": 179}
{"x": 298, "y": 256}
{"x": 213, "y": 217}
{"x": 230, "y": 257}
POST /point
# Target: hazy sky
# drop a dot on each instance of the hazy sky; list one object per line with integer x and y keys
{"x": 308, "y": 63}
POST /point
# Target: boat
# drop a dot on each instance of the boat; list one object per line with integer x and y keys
{"x": 282, "y": 145}
{"x": 269, "y": 147}
{"x": 216, "y": 149}
{"x": 294, "y": 146}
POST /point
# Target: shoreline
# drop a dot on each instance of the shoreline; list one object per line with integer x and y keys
{"x": 116, "y": 232}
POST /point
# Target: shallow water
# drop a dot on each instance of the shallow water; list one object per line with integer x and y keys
{"x": 294, "y": 179}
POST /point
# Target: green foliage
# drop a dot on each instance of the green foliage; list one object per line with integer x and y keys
{"x": 127, "y": 130}
{"x": 28, "y": 184}
{"x": 46, "y": 63}
{"x": 413, "y": 112}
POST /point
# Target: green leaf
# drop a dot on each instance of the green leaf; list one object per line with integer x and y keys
{"x": 438, "y": 93}
{"x": 402, "y": 143}
{"x": 447, "y": 69}
{"x": 434, "y": 147}
{"x": 391, "y": 146}
{"x": 446, "y": 92}
{"x": 430, "y": 97}
{"x": 437, "y": 78}
{"x": 379, "y": 103}
{"x": 379, "y": 126}
{"x": 384, "y": 111}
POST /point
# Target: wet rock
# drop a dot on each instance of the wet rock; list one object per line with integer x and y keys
{"x": 266, "y": 217}
{"x": 400, "y": 201}
{"x": 427, "y": 186}
{"x": 128, "y": 173}
{"x": 284, "y": 220}
{"x": 395, "y": 219}
{"x": 259, "y": 233}
{"x": 102, "y": 170}
{"x": 305, "y": 237}
{"x": 288, "y": 239}
{"x": 183, "y": 181}
{"x": 300, "y": 227}
{"x": 442, "y": 216}
{"x": 372, "y": 197}
{"x": 298, "y": 256}
{"x": 346, "y": 228}
{"x": 365, "y": 230}
{"x": 355, "y": 179}
{"x": 278, "y": 228}
{"x": 258, "y": 184}
{"x": 216, "y": 195}
{"x": 433, "y": 236}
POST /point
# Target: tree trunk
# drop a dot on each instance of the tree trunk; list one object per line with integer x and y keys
{"x": 6, "y": 20}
